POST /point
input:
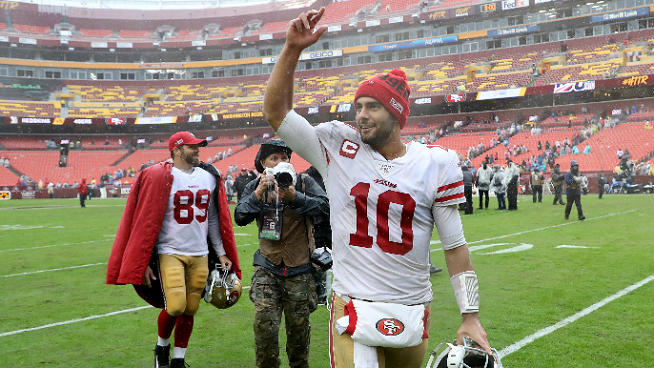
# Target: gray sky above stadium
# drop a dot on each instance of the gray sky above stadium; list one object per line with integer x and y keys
{"x": 151, "y": 4}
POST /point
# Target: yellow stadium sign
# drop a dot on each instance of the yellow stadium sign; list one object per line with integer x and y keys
{"x": 635, "y": 81}
{"x": 5, "y": 195}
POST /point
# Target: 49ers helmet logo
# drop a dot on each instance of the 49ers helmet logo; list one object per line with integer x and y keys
{"x": 390, "y": 326}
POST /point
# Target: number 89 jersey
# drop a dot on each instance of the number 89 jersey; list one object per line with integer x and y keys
{"x": 185, "y": 225}
{"x": 381, "y": 213}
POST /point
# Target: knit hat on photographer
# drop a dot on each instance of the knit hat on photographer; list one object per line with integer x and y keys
{"x": 391, "y": 90}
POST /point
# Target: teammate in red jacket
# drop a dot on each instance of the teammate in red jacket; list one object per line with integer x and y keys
{"x": 166, "y": 245}
{"x": 83, "y": 191}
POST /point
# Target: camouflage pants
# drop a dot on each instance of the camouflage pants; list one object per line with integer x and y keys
{"x": 296, "y": 297}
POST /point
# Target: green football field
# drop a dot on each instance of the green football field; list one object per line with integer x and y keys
{"x": 554, "y": 293}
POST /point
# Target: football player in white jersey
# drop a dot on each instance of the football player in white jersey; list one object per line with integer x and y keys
{"x": 176, "y": 220}
{"x": 385, "y": 198}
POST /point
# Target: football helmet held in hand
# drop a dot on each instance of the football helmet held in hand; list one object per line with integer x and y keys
{"x": 468, "y": 355}
{"x": 223, "y": 288}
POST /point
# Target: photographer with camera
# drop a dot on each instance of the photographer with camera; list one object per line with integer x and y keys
{"x": 283, "y": 204}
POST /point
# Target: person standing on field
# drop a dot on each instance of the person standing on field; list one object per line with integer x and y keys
{"x": 484, "y": 176}
{"x": 283, "y": 279}
{"x": 176, "y": 225}
{"x": 385, "y": 197}
{"x": 82, "y": 191}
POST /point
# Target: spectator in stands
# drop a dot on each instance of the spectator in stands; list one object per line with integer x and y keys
{"x": 58, "y": 185}
{"x": 65, "y": 185}
{"x": 511, "y": 179}
{"x": 539, "y": 146}
{"x": 575, "y": 150}
{"x": 215, "y": 158}
{"x": 648, "y": 126}
{"x": 651, "y": 169}
{"x": 40, "y": 185}
{"x": 587, "y": 149}
{"x": 229, "y": 152}
{"x": 573, "y": 180}
{"x": 619, "y": 153}
{"x": 6, "y": 163}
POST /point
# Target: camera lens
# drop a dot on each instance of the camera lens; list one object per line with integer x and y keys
{"x": 284, "y": 180}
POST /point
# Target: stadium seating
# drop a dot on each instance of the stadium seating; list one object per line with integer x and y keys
{"x": 39, "y": 165}
{"x": 23, "y": 142}
{"x": 343, "y": 11}
{"x": 134, "y": 34}
{"x": 24, "y": 28}
{"x": 395, "y": 6}
{"x": 92, "y": 33}
{"x": 30, "y": 109}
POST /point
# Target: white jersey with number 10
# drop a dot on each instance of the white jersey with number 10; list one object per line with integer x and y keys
{"x": 381, "y": 211}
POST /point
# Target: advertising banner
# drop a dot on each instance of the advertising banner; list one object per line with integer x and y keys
{"x": 513, "y": 30}
{"x": 620, "y": 15}
{"x": 157, "y": 120}
{"x": 462, "y": 12}
{"x": 514, "y": 4}
{"x": 412, "y": 44}
{"x": 438, "y": 15}
{"x": 455, "y": 97}
{"x": 502, "y": 93}
{"x": 574, "y": 87}
{"x": 307, "y": 56}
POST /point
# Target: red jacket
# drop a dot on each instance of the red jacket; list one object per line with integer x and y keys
{"x": 82, "y": 189}
{"x": 141, "y": 222}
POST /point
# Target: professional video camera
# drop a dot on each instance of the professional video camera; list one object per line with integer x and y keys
{"x": 284, "y": 174}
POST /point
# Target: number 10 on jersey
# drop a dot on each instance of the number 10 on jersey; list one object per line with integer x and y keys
{"x": 361, "y": 238}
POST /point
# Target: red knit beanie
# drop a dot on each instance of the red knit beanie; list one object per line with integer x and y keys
{"x": 392, "y": 90}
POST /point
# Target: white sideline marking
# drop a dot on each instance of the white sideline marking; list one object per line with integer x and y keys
{"x": 566, "y": 321}
{"x": 80, "y": 320}
{"x": 542, "y": 228}
{"x": 54, "y": 269}
{"x": 73, "y": 321}
{"x": 52, "y": 245}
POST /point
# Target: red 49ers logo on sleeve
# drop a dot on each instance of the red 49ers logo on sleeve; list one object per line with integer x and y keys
{"x": 390, "y": 326}
{"x": 349, "y": 149}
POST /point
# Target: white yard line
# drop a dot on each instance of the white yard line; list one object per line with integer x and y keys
{"x": 70, "y": 321}
{"x": 566, "y": 321}
{"x": 73, "y": 321}
{"x": 54, "y": 269}
{"x": 534, "y": 230}
{"x": 53, "y": 245}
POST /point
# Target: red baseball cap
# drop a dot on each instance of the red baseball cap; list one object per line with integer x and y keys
{"x": 182, "y": 138}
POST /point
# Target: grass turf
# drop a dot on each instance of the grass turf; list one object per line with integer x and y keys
{"x": 59, "y": 313}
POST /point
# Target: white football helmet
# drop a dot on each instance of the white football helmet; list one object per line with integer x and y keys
{"x": 468, "y": 355}
{"x": 223, "y": 288}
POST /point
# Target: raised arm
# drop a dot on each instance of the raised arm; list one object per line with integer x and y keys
{"x": 301, "y": 33}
